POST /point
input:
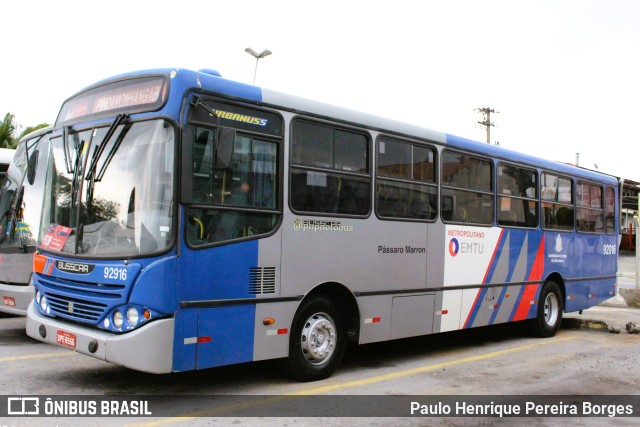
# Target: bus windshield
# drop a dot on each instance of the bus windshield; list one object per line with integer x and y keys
{"x": 18, "y": 212}
{"x": 116, "y": 203}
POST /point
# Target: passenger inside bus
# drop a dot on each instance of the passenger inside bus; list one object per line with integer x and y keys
{"x": 228, "y": 224}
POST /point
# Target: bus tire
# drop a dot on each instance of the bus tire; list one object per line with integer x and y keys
{"x": 549, "y": 315}
{"x": 317, "y": 342}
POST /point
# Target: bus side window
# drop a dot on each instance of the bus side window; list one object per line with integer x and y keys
{"x": 467, "y": 181}
{"x": 330, "y": 171}
{"x": 235, "y": 185}
{"x": 557, "y": 202}
{"x": 517, "y": 196}
{"x": 590, "y": 212}
{"x": 203, "y": 167}
{"x": 405, "y": 181}
{"x": 610, "y": 210}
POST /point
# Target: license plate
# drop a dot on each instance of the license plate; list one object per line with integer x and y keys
{"x": 66, "y": 339}
{"x": 9, "y": 301}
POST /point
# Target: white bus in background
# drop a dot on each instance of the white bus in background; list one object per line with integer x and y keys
{"x": 20, "y": 211}
{"x": 6, "y": 155}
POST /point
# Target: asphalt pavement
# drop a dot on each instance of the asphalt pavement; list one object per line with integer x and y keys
{"x": 615, "y": 314}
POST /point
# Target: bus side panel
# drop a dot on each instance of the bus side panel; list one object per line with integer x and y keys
{"x": 491, "y": 256}
{"x": 588, "y": 255}
{"x": 607, "y": 287}
{"x": 364, "y": 255}
{"x": 577, "y": 291}
{"x": 610, "y": 252}
{"x": 601, "y": 290}
{"x": 184, "y": 350}
{"x": 560, "y": 259}
{"x": 217, "y": 273}
{"x": 587, "y": 264}
{"x": 412, "y": 315}
{"x": 375, "y": 318}
{"x": 155, "y": 285}
{"x": 272, "y": 341}
{"x": 507, "y": 303}
{"x": 436, "y": 253}
{"x": 448, "y": 311}
{"x": 225, "y": 335}
{"x": 16, "y": 268}
{"x": 470, "y": 254}
{"x": 220, "y": 334}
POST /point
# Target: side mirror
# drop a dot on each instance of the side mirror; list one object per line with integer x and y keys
{"x": 225, "y": 145}
{"x": 32, "y": 165}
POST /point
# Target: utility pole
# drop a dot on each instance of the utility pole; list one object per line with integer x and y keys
{"x": 486, "y": 120}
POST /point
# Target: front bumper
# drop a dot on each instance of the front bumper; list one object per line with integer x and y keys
{"x": 15, "y": 299}
{"x": 147, "y": 349}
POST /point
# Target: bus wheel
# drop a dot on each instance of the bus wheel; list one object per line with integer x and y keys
{"x": 549, "y": 317}
{"x": 317, "y": 342}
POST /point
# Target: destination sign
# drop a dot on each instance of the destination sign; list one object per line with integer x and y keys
{"x": 140, "y": 94}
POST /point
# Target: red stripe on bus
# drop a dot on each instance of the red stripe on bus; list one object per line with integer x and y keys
{"x": 537, "y": 270}
{"x": 528, "y": 295}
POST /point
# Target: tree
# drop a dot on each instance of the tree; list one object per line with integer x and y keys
{"x": 6, "y": 131}
{"x": 29, "y": 130}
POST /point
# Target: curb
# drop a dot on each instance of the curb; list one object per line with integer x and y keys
{"x": 594, "y": 325}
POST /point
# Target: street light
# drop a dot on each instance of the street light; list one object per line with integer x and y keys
{"x": 258, "y": 56}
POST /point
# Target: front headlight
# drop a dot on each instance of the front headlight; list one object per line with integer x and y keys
{"x": 117, "y": 319}
{"x": 126, "y": 317}
{"x": 132, "y": 316}
{"x": 43, "y": 304}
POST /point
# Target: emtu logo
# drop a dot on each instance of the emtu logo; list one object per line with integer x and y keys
{"x": 454, "y": 247}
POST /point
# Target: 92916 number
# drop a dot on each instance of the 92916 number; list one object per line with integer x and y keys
{"x": 115, "y": 273}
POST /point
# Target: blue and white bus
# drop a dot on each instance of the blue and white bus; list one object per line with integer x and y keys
{"x": 192, "y": 221}
{"x": 20, "y": 209}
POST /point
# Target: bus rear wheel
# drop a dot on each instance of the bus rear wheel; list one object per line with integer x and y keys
{"x": 549, "y": 315}
{"x": 317, "y": 342}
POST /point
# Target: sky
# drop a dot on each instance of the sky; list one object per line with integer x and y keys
{"x": 563, "y": 75}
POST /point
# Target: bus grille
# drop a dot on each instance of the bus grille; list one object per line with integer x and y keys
{"x": 81, "y": 301}
{"x": 262, "y": 280}
{"x": 75, "y": 308}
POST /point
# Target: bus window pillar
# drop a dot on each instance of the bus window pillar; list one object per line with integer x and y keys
{"x": 636, "y": 222}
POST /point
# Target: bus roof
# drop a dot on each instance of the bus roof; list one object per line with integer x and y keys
{"x": 210, "y": 81}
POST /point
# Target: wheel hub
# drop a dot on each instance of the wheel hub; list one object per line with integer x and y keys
{"x": 318, "y": 339}
{"x": 551, "y": 308}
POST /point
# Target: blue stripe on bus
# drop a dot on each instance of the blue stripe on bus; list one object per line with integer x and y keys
{"x": 476, "y": 308}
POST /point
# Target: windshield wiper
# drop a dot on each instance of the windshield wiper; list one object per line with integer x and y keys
{"x": 97, "y": 153}
{"x": 65, "y": 148}
{"x": 92, "y": 176}
{"x": 79, "y": 237}
{"x": 75, "y": 185}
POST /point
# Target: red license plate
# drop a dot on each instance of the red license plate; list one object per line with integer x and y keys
{"x": 9, "y": 301}
{"x": 66, "y": 339}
